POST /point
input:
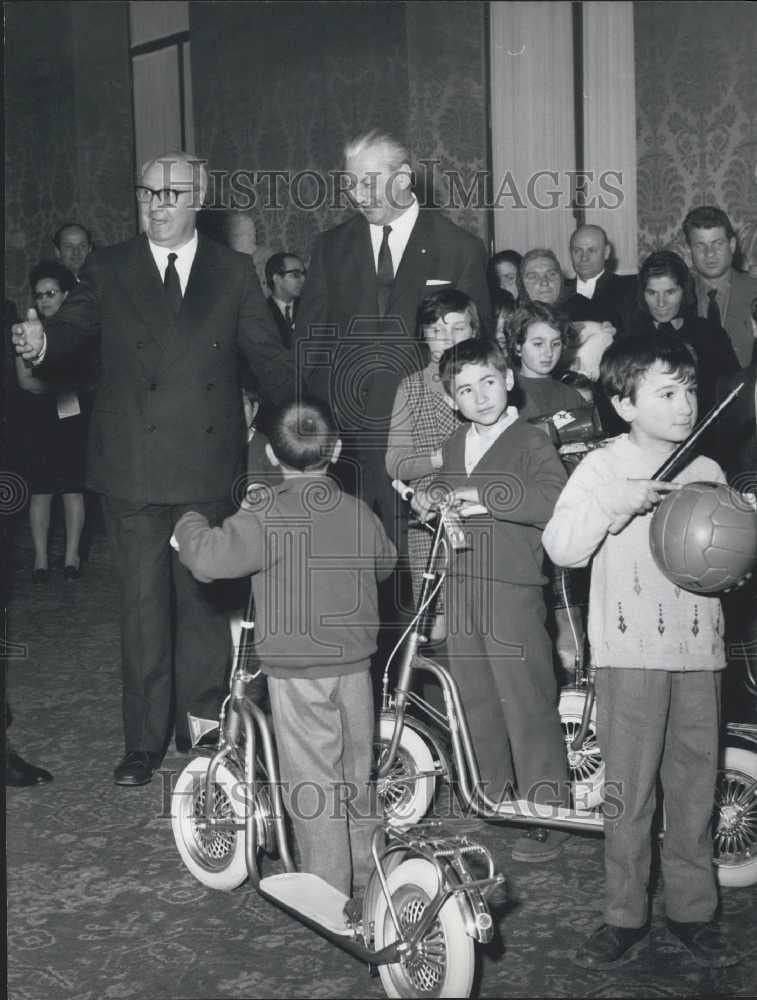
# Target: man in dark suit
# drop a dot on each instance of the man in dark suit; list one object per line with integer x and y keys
{"x": 724, "y": 294}
{"x": 610, "y": 294}
{"x": 355, "y": 333}
{"x": 285, "y": 276}
{"x": 171, "y": 312}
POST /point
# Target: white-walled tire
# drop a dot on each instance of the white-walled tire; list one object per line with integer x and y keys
{"x": 586, "y": 768}
{"x": 735, "y": 834}
{"x": 214, "y": 857}
{"x": 405, "y": 798}
{"x": 445, "y": 963}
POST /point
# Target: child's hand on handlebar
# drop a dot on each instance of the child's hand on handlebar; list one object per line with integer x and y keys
{"x": 464, "y": 495}
{"x": 423, "y": 504}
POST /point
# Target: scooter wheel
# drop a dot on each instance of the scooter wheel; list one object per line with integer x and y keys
{"x": 585, "y": 766}
{"x": 443, "y": 964}
{"x": 735, "y": 838}
{"x": 405, "y": 797}
{"x": 215, "y": 856}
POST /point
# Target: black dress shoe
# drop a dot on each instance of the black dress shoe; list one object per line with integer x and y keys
{"x": 705, "y": 943}
{"x": 40, "y": 575}
{"x": 71, "y": 572}
{"x": 136, "y": 768}
{"x": 607, "y": 946}
{"x": 20, "y": 774}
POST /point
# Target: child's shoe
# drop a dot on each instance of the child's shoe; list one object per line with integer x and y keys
{"x": 607, "y": 946}
{"x": 539, "y": 844}
{"x": 705, "y": 943}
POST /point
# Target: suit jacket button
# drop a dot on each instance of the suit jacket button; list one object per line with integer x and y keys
{"x": 209, "y": 386}
{"x": 208, "y": 430}
{"x": 153, "y": 386}
{"x": 140, "y": 344}
{"x": 151, "y": 428}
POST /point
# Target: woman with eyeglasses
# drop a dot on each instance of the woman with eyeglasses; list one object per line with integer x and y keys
{"x": 53, "y": 435}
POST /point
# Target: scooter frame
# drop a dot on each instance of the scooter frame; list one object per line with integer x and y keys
{"x": 737, "y": 822}
{"x": 246, "y": 746}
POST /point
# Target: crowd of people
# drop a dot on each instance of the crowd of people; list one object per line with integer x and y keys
{"x": 404, "y": 354}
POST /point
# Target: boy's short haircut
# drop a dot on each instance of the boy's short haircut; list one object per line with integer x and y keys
{"x": 626, "y": 361}
{"x": 534, "y": 312}
{"x": 447, "y": 300}
{"x": 302, "y": 434}
{"x": 471, "y": 352}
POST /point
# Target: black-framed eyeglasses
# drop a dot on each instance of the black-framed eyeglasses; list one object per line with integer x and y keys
{"x": 48, "y": 293}
{"x": 298, "y": 272}
{"x": 166, "y": 196}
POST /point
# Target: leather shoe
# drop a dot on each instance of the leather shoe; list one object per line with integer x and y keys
{"x": 40, "y": 575}
{"x": 705, "y": 943}
{"x": 71, "y": 572}
{"x": 606, "y": 947}
{"x": 136, "y": 768}
{"x": 538, "y": 844}
{"x": 20, "y": 774}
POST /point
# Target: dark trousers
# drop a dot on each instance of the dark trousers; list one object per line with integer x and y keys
{"x": 500, "y": 654}
{"x": 175, "y": 638}
{"x": 666, "y": 723}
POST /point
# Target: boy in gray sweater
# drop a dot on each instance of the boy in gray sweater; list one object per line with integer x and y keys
{"x": 316, "y": 555}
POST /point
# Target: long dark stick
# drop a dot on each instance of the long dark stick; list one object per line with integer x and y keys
{"x": 673, "y": 465}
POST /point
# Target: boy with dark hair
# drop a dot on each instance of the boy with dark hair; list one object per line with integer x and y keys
{"x": 659, "y": 653}
{"x": 316, "y": 555}
{"x": 499, "y": 650}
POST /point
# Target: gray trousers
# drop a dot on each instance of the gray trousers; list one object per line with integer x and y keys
{"x": 324, "y": 736}
{"x": 652, "y": 722}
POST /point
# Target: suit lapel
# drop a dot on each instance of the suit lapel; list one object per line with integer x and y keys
{"x": 144, "y": 285}
{"x": 201, "y": 291}
{"x": 417, "y": 265}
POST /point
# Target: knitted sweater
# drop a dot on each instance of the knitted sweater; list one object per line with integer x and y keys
{"x": 637, "y": 617}
{"x": 316, "y": 554}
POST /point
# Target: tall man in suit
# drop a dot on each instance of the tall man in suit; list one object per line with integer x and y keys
{"x": 355, "y": 333}
{"x": 724, "y": 294}
{"x": 609, "y": 293}
{"x": 285, "y": 277}
{"x": 171, "y": 312}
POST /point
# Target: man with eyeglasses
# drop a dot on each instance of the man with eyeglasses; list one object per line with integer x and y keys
{"x": 171, "y": 311}
{"x": 724, "y": 294}
{"x": 285, "y": 276}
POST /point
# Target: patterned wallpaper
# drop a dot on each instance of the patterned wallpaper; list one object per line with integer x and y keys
{"x": 68, "y": 130}
{"x": 297, "y": 80}
{"x": 696, "y": 88}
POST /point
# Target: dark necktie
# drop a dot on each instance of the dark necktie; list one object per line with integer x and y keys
{"x": 713, "y": 309}
{"x": 290, "y": 325}
{"x": 385, "y": 272}
{"x": 172, "y": 285}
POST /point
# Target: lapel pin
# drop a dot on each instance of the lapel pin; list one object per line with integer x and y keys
{"x": 423, "y": 249}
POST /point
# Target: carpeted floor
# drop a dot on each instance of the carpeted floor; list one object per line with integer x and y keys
{"x": 100, "y": 906}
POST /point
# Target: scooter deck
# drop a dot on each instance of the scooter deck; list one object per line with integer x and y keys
{"x": 311, "y": 896}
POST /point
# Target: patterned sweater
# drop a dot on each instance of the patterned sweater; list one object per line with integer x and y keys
{"x": 637, "y": 617}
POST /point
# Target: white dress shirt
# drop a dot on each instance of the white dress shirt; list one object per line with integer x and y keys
{"x": 587, "y": 288}
{"x": 184, "y": 259}
{"x": 402, "y": 227}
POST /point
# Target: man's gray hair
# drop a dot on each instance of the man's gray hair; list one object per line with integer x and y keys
{"x": 396, "y": 152}
{"x": 198, "y": 165}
